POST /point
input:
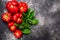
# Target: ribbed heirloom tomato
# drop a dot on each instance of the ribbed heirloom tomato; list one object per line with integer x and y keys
{"x": 6, "y": 17}
{"x": 23, "y": 7}
{"x": 18, "y": 34}
{"x": 12, "y": 6}
{"x": 17, "y": 18}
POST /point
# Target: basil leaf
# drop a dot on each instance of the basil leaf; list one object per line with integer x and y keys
{"x": 28, "y": 13}
{"x": 26, "y": 31}
{"x": 33, "y": 22}
{"x": 31, "y": 15}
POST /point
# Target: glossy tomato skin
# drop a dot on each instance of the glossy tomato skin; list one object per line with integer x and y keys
{"x": 17, "y": 18}
{"x": 18, "y": 34}
{"x": 12, "y": 6}
{"x": 17, "y": 14}
{"x": 6, "y": 17}
{"x": 14, "y": 18}
{"x": 20, "y": 15}
{"x": 15, "y": 3}
{"x": 13, "y": 9}
{"x": 10, "y": 24}
{"x": 13, "y": 28}
{"x": 23, "y": 6}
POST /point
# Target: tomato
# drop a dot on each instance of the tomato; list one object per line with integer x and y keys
{"x": 10, "y": 24}
{"x": 6, "y": 17}
{"x": 23, "y": 7}
{"x": 12, "y": 6}
{"x": 13, "y": 28}
{"x": 18, "y": 34}
{"x": 17, "y": 18}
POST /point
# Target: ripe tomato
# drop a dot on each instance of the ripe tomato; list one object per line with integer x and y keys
{"x": 10, "y": 24}
{"x": 23, "y": 7}
{"x": 6, "y": 17}
{"x": 13, "y": 28}
{"x": 17, "y": 18}
{"x": 18, "y": 34}
{"x": 12, "y": 6}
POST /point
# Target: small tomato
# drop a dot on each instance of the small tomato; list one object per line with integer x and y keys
{"x": 6, "y": 17}
{"x": 18, "y": 34}
{"x": 23, "y": 7}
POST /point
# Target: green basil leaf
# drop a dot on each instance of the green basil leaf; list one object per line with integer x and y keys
{"x": 33, "y": 22}
{"x": 28, "y": 13}
{"x": 26, "y": 31}
{"x": 31, "y": 15}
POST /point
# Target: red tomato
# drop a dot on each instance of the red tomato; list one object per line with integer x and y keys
{"x": 12, "y": 6}
{"x": 13, "y": 28}
{"x": 23, "y": 7}
{"x": 17, "y": 18}
{"x": 6, "y": 17}
{"x": 18, "y": 34}
{"x": 10, "y": 24}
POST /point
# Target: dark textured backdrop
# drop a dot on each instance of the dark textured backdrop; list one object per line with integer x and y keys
{"x": 48, "y": 14}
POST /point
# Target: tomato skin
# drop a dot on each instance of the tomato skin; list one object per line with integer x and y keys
{"x": 10, "y": 24}
{"x": 17, "y": 14}
{"x": 19, "y": 21}
{"x": 12, "y": 6}
{"x": 14, "y": 18}
{"x": 6, "y": 17}
{"x": 15, "y": 3}
{"x": 18, "y": 34}
{"x": 13, "y": 28}
{"x": 20, "y": 15}
{"x": 23, "y": 7}
{"x": 17, "y": 18}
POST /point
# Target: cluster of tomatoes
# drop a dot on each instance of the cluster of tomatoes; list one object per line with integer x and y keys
{"x": 14, "y": 15}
